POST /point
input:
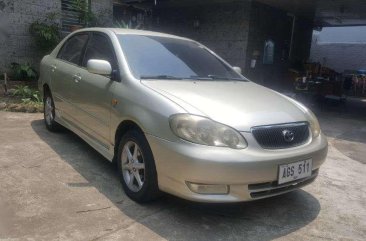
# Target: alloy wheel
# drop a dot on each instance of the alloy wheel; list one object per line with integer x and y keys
{"x": 133, "y": 166}
{"x": 48, "y": 110}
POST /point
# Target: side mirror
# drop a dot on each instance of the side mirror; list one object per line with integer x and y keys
{"x": 98, "y": 66}
{"x": 237, "y": 69}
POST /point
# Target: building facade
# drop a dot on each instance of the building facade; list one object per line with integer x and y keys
{"x": 264, "y": 41}
{"x": 16, "y": 16}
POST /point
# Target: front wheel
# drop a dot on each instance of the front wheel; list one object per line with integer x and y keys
{"x": 49, "y": 113}
{"x": 136, "y": 166}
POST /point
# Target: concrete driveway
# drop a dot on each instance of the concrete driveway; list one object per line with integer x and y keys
{"x": 55, "y": 186}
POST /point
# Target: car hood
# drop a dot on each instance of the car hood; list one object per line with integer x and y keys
{"x": 238, "y": 104}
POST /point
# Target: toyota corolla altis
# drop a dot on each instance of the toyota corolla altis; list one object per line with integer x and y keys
{"x": 177, "y": 118}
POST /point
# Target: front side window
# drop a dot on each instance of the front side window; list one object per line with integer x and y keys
{"x": 152, "y": 57}
{"x": 99, "y": 47}
{"x": 72, "y": 50}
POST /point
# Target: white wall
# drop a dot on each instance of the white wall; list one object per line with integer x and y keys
{"x": 340, "y": 48}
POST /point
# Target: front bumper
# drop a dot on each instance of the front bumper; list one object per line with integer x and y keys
{"x": 248, "y": 172}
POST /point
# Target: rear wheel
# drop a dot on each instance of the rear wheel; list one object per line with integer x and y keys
{"x": 49, "y": 113}
{"x": 136, "y": 166}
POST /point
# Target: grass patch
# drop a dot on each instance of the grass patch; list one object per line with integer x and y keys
{"x": 21, "y": 98}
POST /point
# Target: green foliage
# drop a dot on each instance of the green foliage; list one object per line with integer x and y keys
{"x": 123, "y": 24}
{"x": 23, "y": 91}
{"x": 36, "y": 97}
{"x": 26, "y": 100}
{"x": 120, "y": 24}
{"x": 23, "y": 72}
{"x": 45, "y": 33}
{"x": 27, "y": 94}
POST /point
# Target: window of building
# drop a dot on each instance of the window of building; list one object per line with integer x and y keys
{"x": 268, "y": 54}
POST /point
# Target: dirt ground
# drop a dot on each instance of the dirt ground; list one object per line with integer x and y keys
{"x": 56, "y": 187}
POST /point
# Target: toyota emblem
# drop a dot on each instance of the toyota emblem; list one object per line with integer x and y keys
{"x": 288, "y": 135}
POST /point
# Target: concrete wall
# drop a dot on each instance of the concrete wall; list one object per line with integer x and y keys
{"x": 339, "y": 56}
{"x": 103, "y": 9}
{"x": 268, "y": 23}
{"x": 222, "y": 27}
{"x": 16, "y": 44}
{"x": 302, "y": 40}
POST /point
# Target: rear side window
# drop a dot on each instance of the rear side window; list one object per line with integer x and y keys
{"x": 99, "y": 47}
{"x": 73, "y": 49}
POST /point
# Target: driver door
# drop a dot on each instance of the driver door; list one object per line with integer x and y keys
{"x": 94, "y": 97}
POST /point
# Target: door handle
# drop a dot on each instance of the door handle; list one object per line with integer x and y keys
{"x": 77, "y": 78}
{"x": 53, "y": 68}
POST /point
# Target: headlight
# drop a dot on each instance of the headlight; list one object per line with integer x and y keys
{"x": 314, "y": 123}
{"x": 201, "y": 130}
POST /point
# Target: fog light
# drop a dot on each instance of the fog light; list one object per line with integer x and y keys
{"x": 208, "y": 188}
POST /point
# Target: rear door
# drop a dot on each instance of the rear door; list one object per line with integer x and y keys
{"x": 94, "y": 97}
{"x": 65, "y": 75}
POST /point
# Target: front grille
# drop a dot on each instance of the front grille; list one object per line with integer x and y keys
{"x": 268, "y": 189}
{"x": 273, "y": 137}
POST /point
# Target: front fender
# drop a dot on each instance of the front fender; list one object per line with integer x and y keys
{"x": 143, "y": 106}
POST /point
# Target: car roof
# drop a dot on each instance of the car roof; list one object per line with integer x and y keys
{"x": 133, "y": 32}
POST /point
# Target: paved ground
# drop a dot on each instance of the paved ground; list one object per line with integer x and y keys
{"x": 54, "y": 186}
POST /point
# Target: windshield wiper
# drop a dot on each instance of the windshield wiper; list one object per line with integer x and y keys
{"x": 217, "y": 77}
{"x": 194, "y": 77}
{"x": 160, "y": 77}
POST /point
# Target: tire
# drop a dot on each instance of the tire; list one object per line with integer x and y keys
{"x": 49, "y": 113}
{"x": 136, "y": 167}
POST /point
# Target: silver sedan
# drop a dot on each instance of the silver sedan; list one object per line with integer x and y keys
{"x": 177, "y": 118}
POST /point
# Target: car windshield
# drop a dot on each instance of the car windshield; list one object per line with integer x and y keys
{"x": 153, "y": 57}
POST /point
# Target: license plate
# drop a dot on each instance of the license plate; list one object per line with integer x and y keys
{"x": 294, "y": 171}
